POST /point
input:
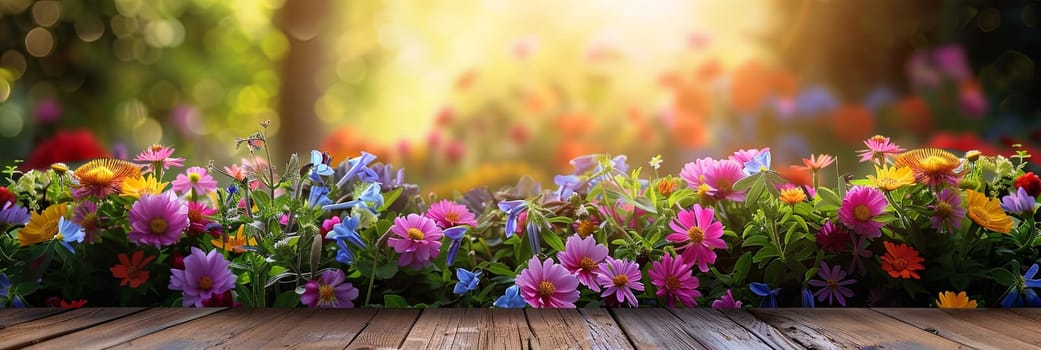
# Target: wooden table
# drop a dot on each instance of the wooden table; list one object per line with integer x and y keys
{"x": 702, "y": 328}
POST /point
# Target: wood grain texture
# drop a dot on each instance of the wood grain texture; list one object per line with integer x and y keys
{"x": 27, "y": 333}
{"x": 435, "y": 329}
{"x": 574, "y": 329}
{"x": 125, "y": 329}
{"x": 15, "y": 316}
{"x": 510, "y": 330}
{"x": 716, "y": 331}
{"x": 825, "y": 328}
{"x": 654, "y": 329}
{"x": 978, "y": 328}
{"x": 387, "y": 330}
{"x": 767, "y": 333}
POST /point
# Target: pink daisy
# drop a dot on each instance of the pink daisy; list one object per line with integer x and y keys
{"x": 329, "y": 290}
{"x": 948, "y": 211}
{"x": 702, "y": 233}
{"x": 581, "y": 256}
{"x": 448, "y": 214}
{"x": 717, "y": 175}
{"x": 726, "y": 301}
{"x": 860, "y": 209}
{"x": 619, "y": 278}
{"x": 159, "y": 156}
{"x": 672, "y": 276}
{"x": 546, "y": 284}
{"x": 742, "y": 156}
{"x": 204, "y": 275}
{"x": 199, "y": 215}
{"x": 195, "y": 179}
{"x": 157, "y": 220}
{"x": 879, "y": 148}
{"x": 417, "y": 239}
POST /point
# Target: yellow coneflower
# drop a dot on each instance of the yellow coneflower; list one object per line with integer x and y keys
{"x": 102, "y": 177}
{"x": 949, "y": 300}
{"x": 792, "y": 195}
{"x": 236, "y": 242}
{"x": 890, "y": 178}
{"x": 987, "y": 212}
{"x": 137, "y": 186}
{"x": 42, "y": 226}
{"x": 932, "y": 166}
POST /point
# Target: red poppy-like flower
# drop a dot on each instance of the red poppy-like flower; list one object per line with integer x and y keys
{"x": 901, "y": 261}
{"x": 73, "y": 304}
{"x": 65, "y": 146}
{"x": 1030, "y": 183}
{"x": 132, "y": 270}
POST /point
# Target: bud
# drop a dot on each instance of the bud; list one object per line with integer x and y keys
{"x": 60, "y": 168}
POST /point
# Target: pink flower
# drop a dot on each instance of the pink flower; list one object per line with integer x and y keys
{"x": 195, "y": 179}
{"x": 860, "y": 209}
{"x": 716, "y": 175}
{"x": 948, "y": 211}
{"x": 327, "y": 225}
{"x": 448, "y": 214}
{"x": 159, "y": 156}
{"x": 619, "y": 278}
{"x": 726, "y": 302}
{"x": 672, "y": 276}
{"x": 329, "y": 290}
{"x": 199, "y": 215}
{"x": 702, "y": 233}
{"x": 581, "y": 256}
{"x": 417, "y": 239}
{"x": 742, "y": 156}
{"x": 157, "y": 220}
{"x": 879, "y": 147}
{"x": 204, "y": 275}
{"x": 546, "y": 284}
{"x": 833, "y": 238}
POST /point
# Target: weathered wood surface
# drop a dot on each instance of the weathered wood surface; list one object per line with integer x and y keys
{"x": 702, "y": 328}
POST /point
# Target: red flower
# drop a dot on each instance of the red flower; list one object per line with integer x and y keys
{"x": 221, "y": 300}
{"x": 75, "y": 304}
{"x": 132, "y": 270}
{"x": 7, "y": 196}
{"x": 1030, "y": 183}
{"x": 65, "y": 146}
{"x": 901, "y": 261}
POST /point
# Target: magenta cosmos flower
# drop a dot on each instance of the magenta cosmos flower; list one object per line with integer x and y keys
{"x": 948, "y": 211}
{"x": 672, "y": 276}
{"x": 581, "y": 256}
{"x": 329, "y": 290}
{"x": 715, "y": 176}
{"x": 546, "y": 284}
{"x": 619, "y": 278}
{"x": 860, "y": 208}
{"x": 832, "y": 284}
{"x": 417, "y": 239}
{"x": 878, "y": 149}
{"x": 726, "y": 301}
{"x": 159, "y": 156}
{"x": 194, "y": 179}
{"x": 448, "y": 214}
{"x": 157, "y": 220}
{"x": 204, "y": 275}
{"x": 702, "y": 233}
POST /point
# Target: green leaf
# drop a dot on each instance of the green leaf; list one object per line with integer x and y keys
{"x": 553, "y": 240}
{"x": 828, "y": 199}
{"x": 741, "y": 267}
{"x": 767, "y": 252}
{"x": 287, "y": 299}
{"x": 745, "y": 183}
{"x": 755, "y": 191}
{"x": 645, "y": 204}
{"x": 500, "y": 269}
{"x": 389, "y": 198}
{"x": 387, "y": 270}
{"x": 279, "y": 277}
{"x": 394, "y": 301}
{"x": 756, "y": 241}
{"x": 1004, "y": 277}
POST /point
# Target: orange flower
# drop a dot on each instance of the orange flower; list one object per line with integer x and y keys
{"x": 235, "y": 242}
{"x": 901, "y": 261}
{"x": 932, "y": 166}
{"x": 818, "y": 162}
{"x": 132, "y": 270}
{"x": 792, "y": 195}
{"x": 42, "y": 226}
{"x": 987, "y": 212}
{"x": 949, "y": 300}
{"x": 102, "y": 177}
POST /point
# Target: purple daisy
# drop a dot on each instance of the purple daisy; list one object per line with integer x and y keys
{"x": 204, "y": 275}
{"x": 194, "y": 179}
{"x": 832, "y": 285}
{"x": 329, "y": 290}
{"x": 948, "y": 212}
{"x": 716, "y": 176}
{"x": 417, "y": 239}
{"x": 672, "y": 276}
{"x": 726, "y": 301}
{"x": 860, "y": 208}
{"x": 157, "y": 220}
{"x": 619, "y": 278}
{"x": 546, "y": 284}
{"x": 448, "y": 214}
{"x": 14, "y": 215}
{"x": 581, "y": 256}
{"x": 1018, "y": 202}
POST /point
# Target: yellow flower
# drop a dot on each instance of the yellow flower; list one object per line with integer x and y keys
{"x": 949, "y": 300}
{"x": 792, "y": 195}
{"x": 137, "y": 186}
{"x": 102, "y": 177}
{"x": 42, "y": 226}
{"x": 987, "y": 212}
{"x": 932, "y": 166}
{"x": 235, "y": 242}
{"x": 890, "y": 178}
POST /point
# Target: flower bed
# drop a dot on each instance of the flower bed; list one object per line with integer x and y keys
{"x": 926, "y": 229}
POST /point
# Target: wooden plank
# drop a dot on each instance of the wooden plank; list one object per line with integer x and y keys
{"x": 978, "y": 328}
{"x": 654, "y": 329}
{"x": 571, "y": 328}
{"x": 125, "y": 329}
{"x": 10, "y": 317}
{"x": 767, "y": 333}
{"x": 261, "y": 328}
{"x": 387, "y": 329}
{"x": 474, "y": 331}
{"x": 435, "y": 329}
{"x": 825, "y": 328}
{"x": 510, "y": 330}
{"x": 27, "y": 333}
{"x": 716, "y": 331}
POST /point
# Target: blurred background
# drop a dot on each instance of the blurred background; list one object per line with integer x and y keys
{"x": 480, "y": 92}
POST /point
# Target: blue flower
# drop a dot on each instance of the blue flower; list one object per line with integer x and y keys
{"x": 5, "y": 285}
{"x": 1022, "y": 294}
{"x": 318, "y": 164}
{"x": 511, "y": 300}
{"x": 467, "y": 281}
{"x": 13, "y": 214}
{"x": 455, "y": 234}
{"x": 347, "y": 230}
{"x": 371, "y": 199}
{"x": 807, "y": 298}
{"x": 512, "y": 210}
{"x": 358, "y": 166}
{"x": 68, "y": 232}
{"x": 758, "y": 164}
{"x": 344, "y": 255}
{"x": 763, "y": 290}
{"x": 1019, "y": 203}
{"x": 319, "y": 196}
{"x": 568, "y": 185}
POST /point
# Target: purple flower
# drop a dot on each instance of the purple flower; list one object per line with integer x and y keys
{"x": 329, "y": 290}
{"x": 807, "y": 298}
{"x": 204, "y": 275}
{"x": 569, "y": 184}
{"x": 833, "y": 285}
{"x": 581, "y": 258}
{"x": 726, "y": 301}
{"x": 513, "y": 209}
{"x": 1019, "y": 202}
{"x": 358, "y": 166}
{"x": 196, "y": 180}
{"x": 157, "y": 220}
{"x": 619, "y": 278}
{"x": 417, "y": 239}
{"x": 546, "y": 284}
{"x": 14, "y": 215}
{"x": 455, "y": 234}
{"x": 948, "y": 211}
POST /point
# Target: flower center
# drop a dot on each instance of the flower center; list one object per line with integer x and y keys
{"x": 158, "y": 226}
{"x": 194, "y": 177}
{"x": 703, "y": 190}
{"x": 899, "y": 264}
{"x": 762, "y": 168}
{"x": 935, "y": 164}
{"x": 862, "y": 213}
{"x": 672, "y": 282}
{"x": 325, "y": 293}
{"x": 101, "y": 174}
{"x": 59, "y": 236}
{"x": 205, "y": 283}
{"x": 944, "y": 209}
{"x": 695, "y": 234}
{"x": 620, "y": 280}
{"x": 546, "y": 289}
{"x": 585, "y": 228}
{"x": 587, "y": 264}
{"x": 452, "y": 217}
{"x": 832, "y": 284}
{"x": 416, "y": 234}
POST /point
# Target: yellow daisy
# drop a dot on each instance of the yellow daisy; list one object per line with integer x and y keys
{"x": 987, "y": 212}
{"x": 235, "y": 242}
{"x": 932, "y": 166}
{"x": 42, "y": 226}
{"x": 890, "y": 178}
{"x": 792, "y": 195}
{"x": 137, "y": 186}
{"x": 949, "y": 300}
{"x": 102, "y": 177}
